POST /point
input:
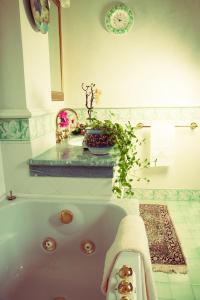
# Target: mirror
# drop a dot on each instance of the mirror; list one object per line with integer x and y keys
{"x": 55, "y": 51}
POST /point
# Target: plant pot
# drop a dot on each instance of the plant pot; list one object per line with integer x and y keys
{"x": 99, "y": 141}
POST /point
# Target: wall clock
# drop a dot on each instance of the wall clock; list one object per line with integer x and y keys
{"x": 119, "y": 19}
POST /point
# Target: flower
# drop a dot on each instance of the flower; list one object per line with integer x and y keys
{"x": 63, "y": 123}
{"x": 79, "y": 129}
{"x": 63, "y": 114}
{"x": 64, "y": 120}
{"x": 97, "y": 95}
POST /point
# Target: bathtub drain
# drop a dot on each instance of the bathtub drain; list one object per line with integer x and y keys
{"x": 87, "y": 247}
{"x": 49, "y": 244}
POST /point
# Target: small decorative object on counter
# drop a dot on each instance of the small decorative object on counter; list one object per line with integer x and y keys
{"x": 66, "y": 122}
{"x": 99, "y": 141}
{"x": 92, "y": 95}
{"x": 80, "y": 129}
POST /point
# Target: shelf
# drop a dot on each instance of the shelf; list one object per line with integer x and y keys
{"x": 70, "y": 160}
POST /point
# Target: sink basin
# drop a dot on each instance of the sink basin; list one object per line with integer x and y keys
{"x": 76, "y": 141}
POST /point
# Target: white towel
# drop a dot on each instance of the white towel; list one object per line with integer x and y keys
{"x": 161, "y": 143}
{"x": 130, "y": 205}
{"x": 131, "y": 235}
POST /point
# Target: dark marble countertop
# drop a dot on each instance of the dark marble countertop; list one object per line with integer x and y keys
{"x": 70, "y": 159}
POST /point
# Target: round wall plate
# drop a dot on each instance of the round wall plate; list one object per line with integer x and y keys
{"x": 119, "y": 19}
{"x": 40, "y": 12}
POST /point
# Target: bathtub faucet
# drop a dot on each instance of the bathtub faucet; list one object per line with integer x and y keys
{"x": 11, "y": 196}
{"x": 125, "y": 286}
{"x": 66, "y": 216}
{"x": 125, "y": 272}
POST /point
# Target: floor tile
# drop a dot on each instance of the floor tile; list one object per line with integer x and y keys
{"x": 196, "y": 291}
{"x": 161, "y": 277}
{"x": 182, "y": 291}
{"x": 163, "y": 290}
{"x": 179, "y": 278}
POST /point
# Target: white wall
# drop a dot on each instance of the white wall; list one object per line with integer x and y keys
{"x": 156, "y": 64}
{"x": 24, "y": 59}
{"x": 2, "y": 182}
{"x": 36, "y": 65}
{"x": 12, "y": 84}
{"x": 183, "y": 167}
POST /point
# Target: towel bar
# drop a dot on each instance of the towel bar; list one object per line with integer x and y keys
{"x": 192, "y": 125}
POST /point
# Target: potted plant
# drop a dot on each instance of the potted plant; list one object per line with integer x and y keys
{"x": 122, "y": 139}
{"x": 102, "y": 136}
{"x": 99, "y": 137}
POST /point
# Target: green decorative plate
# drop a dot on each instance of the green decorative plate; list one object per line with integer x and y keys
{"x": 119, "y": 19}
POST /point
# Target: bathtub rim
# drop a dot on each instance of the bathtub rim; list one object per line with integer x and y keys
{"x": 54, "y": 196}
{"x": 128, "y": 206}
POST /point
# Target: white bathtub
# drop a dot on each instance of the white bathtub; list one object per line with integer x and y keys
{"x": 29, "y": 272}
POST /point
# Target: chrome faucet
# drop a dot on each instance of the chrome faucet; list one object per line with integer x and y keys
{"x": 11, "y": 196}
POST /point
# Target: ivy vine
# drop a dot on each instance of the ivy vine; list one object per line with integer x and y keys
{"x": 128, "y": 161}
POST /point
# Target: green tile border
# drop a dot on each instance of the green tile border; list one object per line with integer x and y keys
{"x": 144, "y": 113}
{"x": 14, "y": 130}
{"x": 26, "y": 129}
{"x": 167, "y": 194}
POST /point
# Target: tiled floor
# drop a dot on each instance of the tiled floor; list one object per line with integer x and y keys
{"x": 186, "y": 218}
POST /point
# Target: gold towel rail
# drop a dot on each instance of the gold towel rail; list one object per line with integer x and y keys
{"x": 192, "y": 125}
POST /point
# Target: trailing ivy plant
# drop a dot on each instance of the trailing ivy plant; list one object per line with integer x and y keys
{"x": 128, "y": 162}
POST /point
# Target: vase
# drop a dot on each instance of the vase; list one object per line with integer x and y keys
{"x": 99, "y": 141}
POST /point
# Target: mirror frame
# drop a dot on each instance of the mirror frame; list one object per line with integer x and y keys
{"x": 59, "y": 95}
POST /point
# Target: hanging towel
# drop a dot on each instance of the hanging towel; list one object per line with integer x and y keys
{"x": 161, "y": 143}
{"x": 131, "y": 235}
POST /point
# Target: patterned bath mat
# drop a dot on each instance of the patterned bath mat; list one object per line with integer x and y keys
{"x": 165, "y": 249}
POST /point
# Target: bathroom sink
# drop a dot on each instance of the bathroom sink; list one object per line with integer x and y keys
{"x": 76, "y": 140}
